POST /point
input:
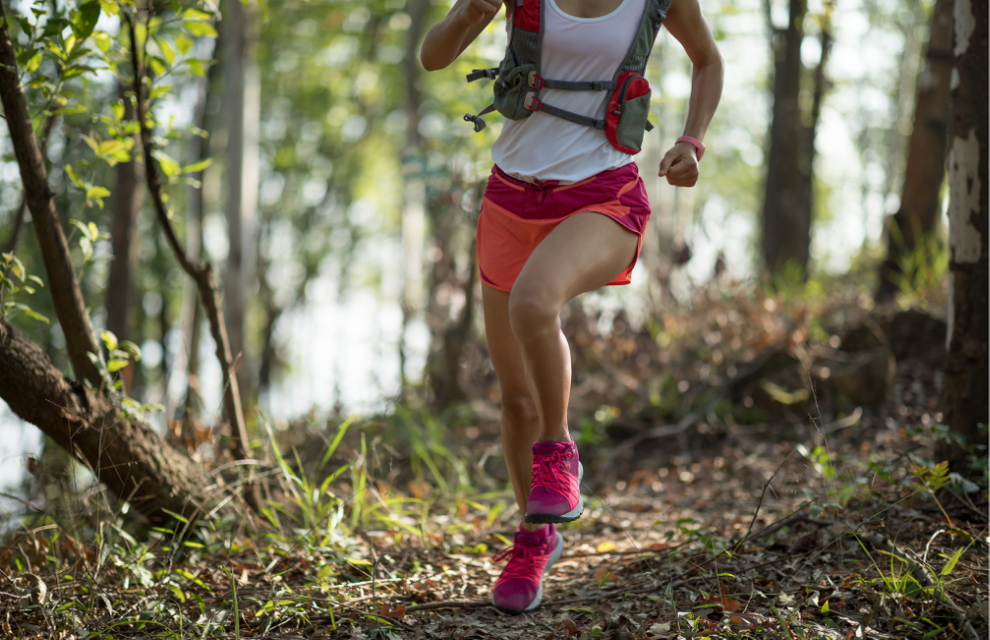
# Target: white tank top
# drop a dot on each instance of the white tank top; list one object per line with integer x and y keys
{"x": 545, "y": 147}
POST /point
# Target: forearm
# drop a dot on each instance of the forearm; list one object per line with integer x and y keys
{"x": 706, "y": 91}
{"x": 444, "y": 42}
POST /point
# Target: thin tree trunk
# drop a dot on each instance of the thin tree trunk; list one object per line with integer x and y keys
{"x": 919, "y": 212}
{"x": 414, "y": 188}
{"x": 128, "y": 194}
{"x": 200, "y": 272}
{"x": 15, "y": 236}
{"x": 126, "y": 455}
{"x": 964, "y": 396}
{"x": 242, "y": 104}
{"x": 786, "y": 209}
{"x": 62, "y": 279}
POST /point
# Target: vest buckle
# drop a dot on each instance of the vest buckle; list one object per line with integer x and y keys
{"x": 532, "y": 102}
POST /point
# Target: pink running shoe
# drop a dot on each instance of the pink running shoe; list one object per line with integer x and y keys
{"x": 556, "y": 492}
{"x": 520, "y": 587}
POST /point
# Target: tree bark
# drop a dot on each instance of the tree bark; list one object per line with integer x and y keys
{"x": 128, "y": 194}
{"x": 62, "y": 280}
{"x": 965, "y": 390}
{"x": 919, "y": 211}
{"x": 787, "y": 205}
{"x": 242, "y": 104}
{"x": 126, "y": 455}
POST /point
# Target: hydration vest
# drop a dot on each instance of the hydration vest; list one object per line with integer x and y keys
{"x": 518, "y": 80}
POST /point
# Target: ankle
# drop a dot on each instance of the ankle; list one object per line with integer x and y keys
{"x": 534, "y": 528}
{"x": 557, "y": 434}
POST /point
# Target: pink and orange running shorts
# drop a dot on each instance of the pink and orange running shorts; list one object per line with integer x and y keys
{"x": 516, "y": 216}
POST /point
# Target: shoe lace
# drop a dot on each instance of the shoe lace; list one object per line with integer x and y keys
{"x": 522, "y": 561}
{"x": 547, "y": 471}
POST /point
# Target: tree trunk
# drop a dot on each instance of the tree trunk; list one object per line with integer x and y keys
{"x": 964, "y": 396}
{"x": 62, "y": 280}
{"x": 414, "y": 187}
{"x": 242, "y": 104}
{"x": 126, "y": 455}
{"x": 200, "y": 272}
{"x": 919, "y": 212}
{"x": 128, "y": 194}
{"x": 787, "y": 202}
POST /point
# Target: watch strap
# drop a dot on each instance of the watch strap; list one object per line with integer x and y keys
{"x": 698, "y": 144}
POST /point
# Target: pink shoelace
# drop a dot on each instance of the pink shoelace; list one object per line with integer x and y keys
{"x": 547, "y": 471}
{"x": 523, "y": 562}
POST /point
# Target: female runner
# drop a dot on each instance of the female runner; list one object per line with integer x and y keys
{"x": 564, "y": 212}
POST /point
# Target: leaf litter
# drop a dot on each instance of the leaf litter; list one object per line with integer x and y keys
{"x": 754, "y": 511}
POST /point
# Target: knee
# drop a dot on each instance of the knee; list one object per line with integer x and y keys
{"x": 532, "y": 309}
{"x": 518, "y": 410}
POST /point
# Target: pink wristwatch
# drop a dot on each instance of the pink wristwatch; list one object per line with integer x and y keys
{"x": 698, "y": 144}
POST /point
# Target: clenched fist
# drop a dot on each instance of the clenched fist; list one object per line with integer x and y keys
{"x": 475, "y": 11}
{"x": 680, "y": 165}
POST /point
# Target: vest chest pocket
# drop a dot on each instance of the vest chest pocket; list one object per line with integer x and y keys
{"x": 627, "y": 115}
{"x": 511, "y": 88}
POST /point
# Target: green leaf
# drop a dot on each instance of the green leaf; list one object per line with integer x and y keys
{"x": 158, "y": 65}
{"x": 118, "y": 110}
{"x": 31, "y": 313}
{"x": 951, "y": 564}
{"x": 200, "y": 29}
{"x": 132, "y": 349}
{"x": 178, "y": 592}
{"x": 183, "y": 44}
{"x": 196, "y": 14}
{"x": 109, "y": 339}
{"x": 197, "y": 167}
{"x": 167, "y": 51}
{"x": 169, "y": 166}
{"x": 197, "y": 68}
{"x": 76, "y": 180}
{"x": 116, "y": 365}
{"x": 161, "y": 91}
{"x": 102, "y": 40}
{"x": 86, "y": 20}
{"x": 33, "y": 63}
{"x": 97, "y": 192}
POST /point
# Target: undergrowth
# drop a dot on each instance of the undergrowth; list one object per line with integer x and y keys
{"x": 776, "y": 515}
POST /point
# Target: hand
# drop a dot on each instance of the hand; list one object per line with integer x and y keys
{"x": 476, "y": 11}
{"x": 680, "y": 165}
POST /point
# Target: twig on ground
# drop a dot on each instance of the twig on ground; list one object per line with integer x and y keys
{"x": 766, "y": 485}
{"x": 786, "y": 522}
{"x": 448, "y": 604}
{"x": 883, "y": 544}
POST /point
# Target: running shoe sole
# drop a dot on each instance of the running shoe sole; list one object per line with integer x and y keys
{"x": 554, "y": 557}
{"x": 552, "y": 518}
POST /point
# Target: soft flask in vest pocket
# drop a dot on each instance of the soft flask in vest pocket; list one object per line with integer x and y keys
{"x": 511, "y": 88}
{"x": 627, "y": 114}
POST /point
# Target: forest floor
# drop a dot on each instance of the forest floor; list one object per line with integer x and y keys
{"x": 752, "y": 512}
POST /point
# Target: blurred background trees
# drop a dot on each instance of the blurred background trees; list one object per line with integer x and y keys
{"x": 331, "y": 182}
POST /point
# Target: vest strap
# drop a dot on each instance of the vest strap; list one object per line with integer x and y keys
{"x": 567, "y": 85}
{"x": 478, "y": 74}
{"x": 570, "y": 116}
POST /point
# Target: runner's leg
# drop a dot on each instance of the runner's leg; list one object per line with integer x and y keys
{"x": 520, "y": 423}
{"x": 585, "y": 252}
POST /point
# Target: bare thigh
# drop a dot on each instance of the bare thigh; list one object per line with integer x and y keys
{"x": 583, "y": 253}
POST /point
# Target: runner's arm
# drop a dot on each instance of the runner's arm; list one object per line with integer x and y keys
{"x": 685, "y": 22}
{"x": 452, "y": 35}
